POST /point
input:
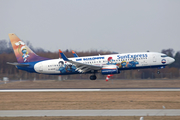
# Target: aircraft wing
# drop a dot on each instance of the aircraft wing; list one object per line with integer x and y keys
{"x": 81, "y": 67}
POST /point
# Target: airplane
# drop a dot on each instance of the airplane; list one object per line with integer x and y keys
{"x": 108, "y": 65}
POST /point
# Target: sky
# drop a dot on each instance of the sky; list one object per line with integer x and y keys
{"x": 121, "y": 26}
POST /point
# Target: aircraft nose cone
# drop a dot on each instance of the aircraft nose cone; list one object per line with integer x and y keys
{"x": 171, "y": 60}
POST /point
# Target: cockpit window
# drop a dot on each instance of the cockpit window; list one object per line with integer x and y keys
{"x": 163, "y": 55}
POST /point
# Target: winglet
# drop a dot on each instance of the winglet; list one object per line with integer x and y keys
{"x": 75, "y": 55}
{"x": 73, "y": 52}
{"x": 63, "y": 56}
{"x": 59, "y": 54}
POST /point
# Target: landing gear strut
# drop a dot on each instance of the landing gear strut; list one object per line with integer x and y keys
{"x": 93, "y": 77}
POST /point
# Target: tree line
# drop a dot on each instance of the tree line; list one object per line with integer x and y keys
{"x": 7, "y": 55}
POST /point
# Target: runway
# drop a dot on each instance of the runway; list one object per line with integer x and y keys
{"x": 121, "y": 112}
{"x": 106, "y": 112}
{"x": 84, "y": 90}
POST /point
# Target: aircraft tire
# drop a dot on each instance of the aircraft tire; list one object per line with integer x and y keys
{"x": 93, "y": 77}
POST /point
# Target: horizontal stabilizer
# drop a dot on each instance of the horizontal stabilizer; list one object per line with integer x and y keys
{"x": 18, "y": 64}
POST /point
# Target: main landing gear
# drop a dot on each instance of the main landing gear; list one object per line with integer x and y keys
{"x": 93, "y": 77}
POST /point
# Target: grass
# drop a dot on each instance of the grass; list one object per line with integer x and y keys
{"x": 89, "y": 100}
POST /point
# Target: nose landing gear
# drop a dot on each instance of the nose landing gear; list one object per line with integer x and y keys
{"x": 158, "y": 72}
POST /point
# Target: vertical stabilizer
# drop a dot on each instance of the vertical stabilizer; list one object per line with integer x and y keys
{"x": 22, "y": 52}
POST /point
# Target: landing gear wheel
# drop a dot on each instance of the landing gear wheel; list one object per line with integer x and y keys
{"x": 93, "y": 77}
{"x": 158, "y": 72}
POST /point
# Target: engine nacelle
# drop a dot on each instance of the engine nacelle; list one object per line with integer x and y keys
{"x": 109, "y": 69}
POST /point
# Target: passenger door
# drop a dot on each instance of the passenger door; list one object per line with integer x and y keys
{"x": 154, "y": 58}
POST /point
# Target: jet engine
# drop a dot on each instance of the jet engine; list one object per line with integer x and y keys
{"x": 110, "y": 69}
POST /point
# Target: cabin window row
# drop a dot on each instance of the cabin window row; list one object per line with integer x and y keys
{"x": 103, "y": 61}
{"x": 114, "y": 60}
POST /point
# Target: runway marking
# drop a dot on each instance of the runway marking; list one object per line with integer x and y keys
{"x": 49, "y": 90}
{"x": 136, "y": 90}
{"x": 121, "y": 112}
{"x": 81, "y": 90}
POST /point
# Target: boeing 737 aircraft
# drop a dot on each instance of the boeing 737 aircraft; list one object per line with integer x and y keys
{"x": 108, "y": 65}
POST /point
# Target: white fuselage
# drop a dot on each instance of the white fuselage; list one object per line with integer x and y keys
{"x": 122, "y": 61}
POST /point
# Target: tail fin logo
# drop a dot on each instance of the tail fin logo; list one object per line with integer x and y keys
{"x": 24, "y": 52}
